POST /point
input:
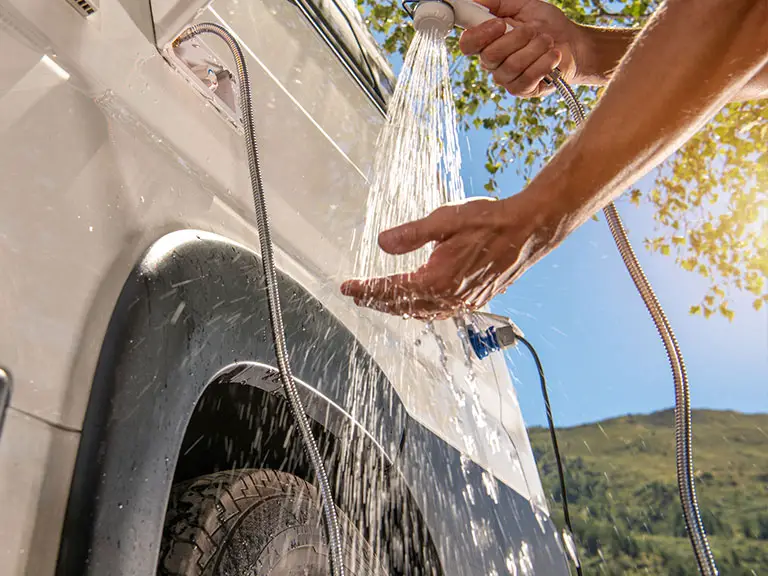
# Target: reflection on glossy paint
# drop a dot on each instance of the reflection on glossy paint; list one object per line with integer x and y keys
{"x": 54, "y": 67}
{"x": 280, "y": 85}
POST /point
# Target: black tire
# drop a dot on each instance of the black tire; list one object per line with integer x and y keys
{"x": 254, "y": 523}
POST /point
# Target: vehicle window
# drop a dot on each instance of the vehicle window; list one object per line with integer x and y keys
{"x": 344, "y": 29}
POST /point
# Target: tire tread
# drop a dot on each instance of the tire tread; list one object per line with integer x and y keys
{"x": 202, "y": 512}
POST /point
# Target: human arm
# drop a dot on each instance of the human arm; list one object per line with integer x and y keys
{"x": 654, "y": 102}
{"x": 603, "y": 49}
{"x": 755, "y": 89}
{"x": 543, "y": 37}
{"x": 652, "y": 105}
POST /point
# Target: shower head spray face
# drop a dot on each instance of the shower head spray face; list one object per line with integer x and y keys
{"x": 442, "y": 15}
{"x": 433, "y": 15}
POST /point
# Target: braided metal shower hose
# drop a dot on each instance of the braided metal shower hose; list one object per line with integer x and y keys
{"x": 683, "y": 440}
{"x": 273, "y": 298}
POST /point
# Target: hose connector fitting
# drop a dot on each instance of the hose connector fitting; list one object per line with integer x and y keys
{"x": 501, "y": 334}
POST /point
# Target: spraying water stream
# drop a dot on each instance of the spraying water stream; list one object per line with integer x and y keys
{"x": 417, "y": 162}
{"x": 416, "y": 170}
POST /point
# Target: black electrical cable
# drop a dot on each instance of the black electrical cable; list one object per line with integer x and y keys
{"x": 555, "y": 448}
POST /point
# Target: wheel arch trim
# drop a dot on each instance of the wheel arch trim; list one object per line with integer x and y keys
{"x": 170, "y": 335}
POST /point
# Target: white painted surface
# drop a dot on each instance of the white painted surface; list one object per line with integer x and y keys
{"x": 36, "y": 463}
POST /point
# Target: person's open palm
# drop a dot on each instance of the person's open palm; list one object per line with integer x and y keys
{"x": 542, "y": 38}
{"x": 482, "y": 246}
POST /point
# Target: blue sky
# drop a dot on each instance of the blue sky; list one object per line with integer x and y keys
{"x": 599, "y": 347}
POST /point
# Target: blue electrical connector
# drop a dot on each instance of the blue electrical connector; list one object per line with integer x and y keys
{"x": 494, "y": 338}
{"x": 483, "y": 343}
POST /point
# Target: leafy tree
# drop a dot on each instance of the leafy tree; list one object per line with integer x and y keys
{"x": 710, "y": 198}
{"x": 635, "y": 526}
{"x": 762, "y": 527}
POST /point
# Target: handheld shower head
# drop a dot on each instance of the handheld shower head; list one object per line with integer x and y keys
{"x": 433, "y": 15}
{"x": 442, "y": 15}
{"x": 445, "y": 14}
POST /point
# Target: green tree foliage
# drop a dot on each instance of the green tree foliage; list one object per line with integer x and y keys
{"x": 710, "y": 198}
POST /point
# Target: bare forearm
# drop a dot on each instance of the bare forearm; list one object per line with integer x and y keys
{"x": 600, "y": 51}
{"x": 755, "y": 89}
{"x": 665, "y": 89}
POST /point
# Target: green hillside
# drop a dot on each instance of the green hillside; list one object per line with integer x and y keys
{"x": 623, "y": 492}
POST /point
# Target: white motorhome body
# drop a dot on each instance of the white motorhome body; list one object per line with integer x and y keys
{"x": 132, "y": 302}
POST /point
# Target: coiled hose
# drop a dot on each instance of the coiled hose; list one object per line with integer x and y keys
{"x": 683, "y": 440}
{"x": 270, "y": 279}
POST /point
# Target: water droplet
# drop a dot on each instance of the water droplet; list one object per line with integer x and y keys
{"x": 469, "y": 494}
{"x": 524, "y": 560}
{"x": 465, "y": 465}
{"x": 481, "y": 533}
{"x": 541, "y": 517}
{"x": 469, "y": 444}
{"x": 511, "y": 562}
{"x": 570, "y": 546}
{"x": 494, "y": 442}
{"x": 491, "y": 486}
